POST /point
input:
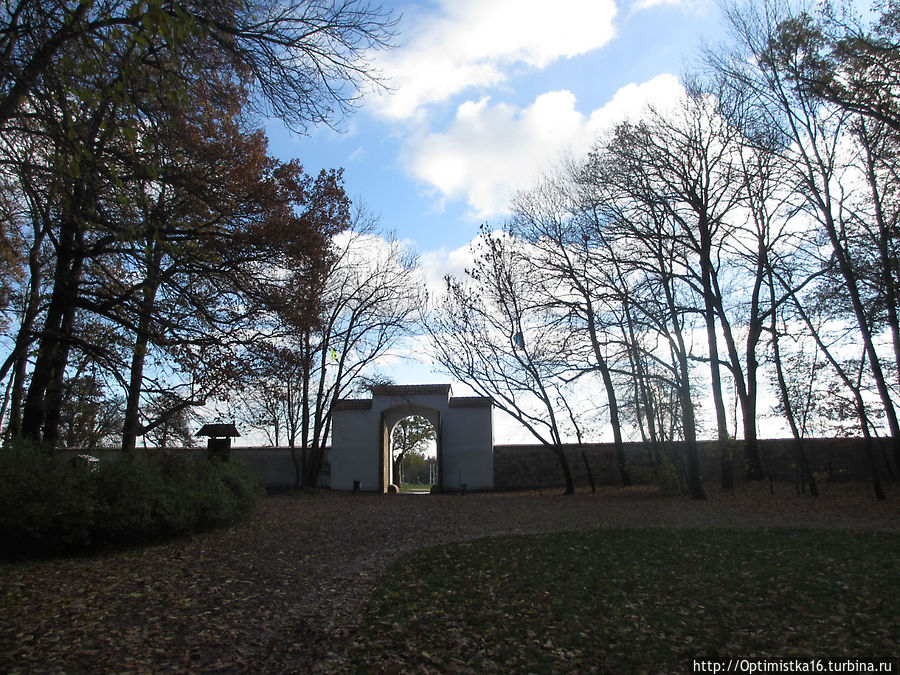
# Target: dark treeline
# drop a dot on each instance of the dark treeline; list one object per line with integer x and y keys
{"x": 149, "y": 245}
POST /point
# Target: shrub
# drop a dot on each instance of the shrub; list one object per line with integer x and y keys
{"x": 45, "y": 503}
{"x": 129, "y": 490}
{"x": 51, "y": 504}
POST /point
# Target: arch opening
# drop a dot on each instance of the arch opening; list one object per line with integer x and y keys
{"x": 413, "y": 454}
{"x": 408, "y": 431}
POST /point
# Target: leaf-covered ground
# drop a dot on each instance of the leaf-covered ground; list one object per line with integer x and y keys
{"x": 626, "y": 601}
{"x": 289, "y": 590}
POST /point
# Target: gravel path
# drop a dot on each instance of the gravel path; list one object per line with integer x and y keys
{"x": 284, "y": 592}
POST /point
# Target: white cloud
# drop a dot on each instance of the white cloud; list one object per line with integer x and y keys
{"x": 641, "y": 5}
{"x": 438, "y": 263}
{"x": 490, "y": 151}
{"x": 357, "y": 155}
{"x": 472, "y": 43}
{"x": 647, "y": 4}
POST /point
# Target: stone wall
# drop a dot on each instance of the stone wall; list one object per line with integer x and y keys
{"x": 518, "y": 467}
{"x": 523, "y": 467}
{"x": 274, "y": 466}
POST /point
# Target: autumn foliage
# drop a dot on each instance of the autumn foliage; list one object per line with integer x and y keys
{"x": 147, "y": 237}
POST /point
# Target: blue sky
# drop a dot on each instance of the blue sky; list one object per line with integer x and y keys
{"x": 487, "y": 95}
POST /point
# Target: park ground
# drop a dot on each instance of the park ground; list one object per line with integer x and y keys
{"x": 331, "y": 582}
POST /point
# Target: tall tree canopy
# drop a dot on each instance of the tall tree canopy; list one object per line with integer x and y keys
{"x": 143, "y": 223}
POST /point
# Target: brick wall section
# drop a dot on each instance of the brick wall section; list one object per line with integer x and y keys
{"x": 518, "y": 467}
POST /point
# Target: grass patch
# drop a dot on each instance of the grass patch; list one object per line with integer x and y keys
{"x": 414, "y": 487}
{"x": 632, "y": 600}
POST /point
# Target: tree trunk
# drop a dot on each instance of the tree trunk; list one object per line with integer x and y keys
{"x": 690, "y": 432}
{"x": 873, "y": 467}
{"x": 132, "y": 426}
{"x": 590, "y": 474}
{"x": 887, "y": 267}
{"x": 308, "y": 478}
{"x": 56, "y": 385}
{"x": 802, "y": 462}
{"x": 25, "y": 336}
{"x": 689, "y": 422}
{"x": 398, "y": 478}
{"x": 564, "y": 465}
{"x": 642, "y": 394}
{"x": 614, "y": 422}
{"x": 842, "y": 256}
{"x": 19, "y": 375}
{"x": 40, "y": 414}
{"x": 745, "y": 387}
{"x": 858, "y": 401}
{"x": 297, "y": 466}
{"x": 715, "y": 372}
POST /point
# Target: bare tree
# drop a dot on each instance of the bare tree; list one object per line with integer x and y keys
{"x": 657, "y": 269}
{"x": 369, "y": 298}
{"x": 571, "y": 275}
{"x": 777, "y": 52}
{"x": 493, "y": 332}
{"x": 687, "y": 159}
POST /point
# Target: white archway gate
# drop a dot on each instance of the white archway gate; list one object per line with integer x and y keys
{"x": 361, "y": 431}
